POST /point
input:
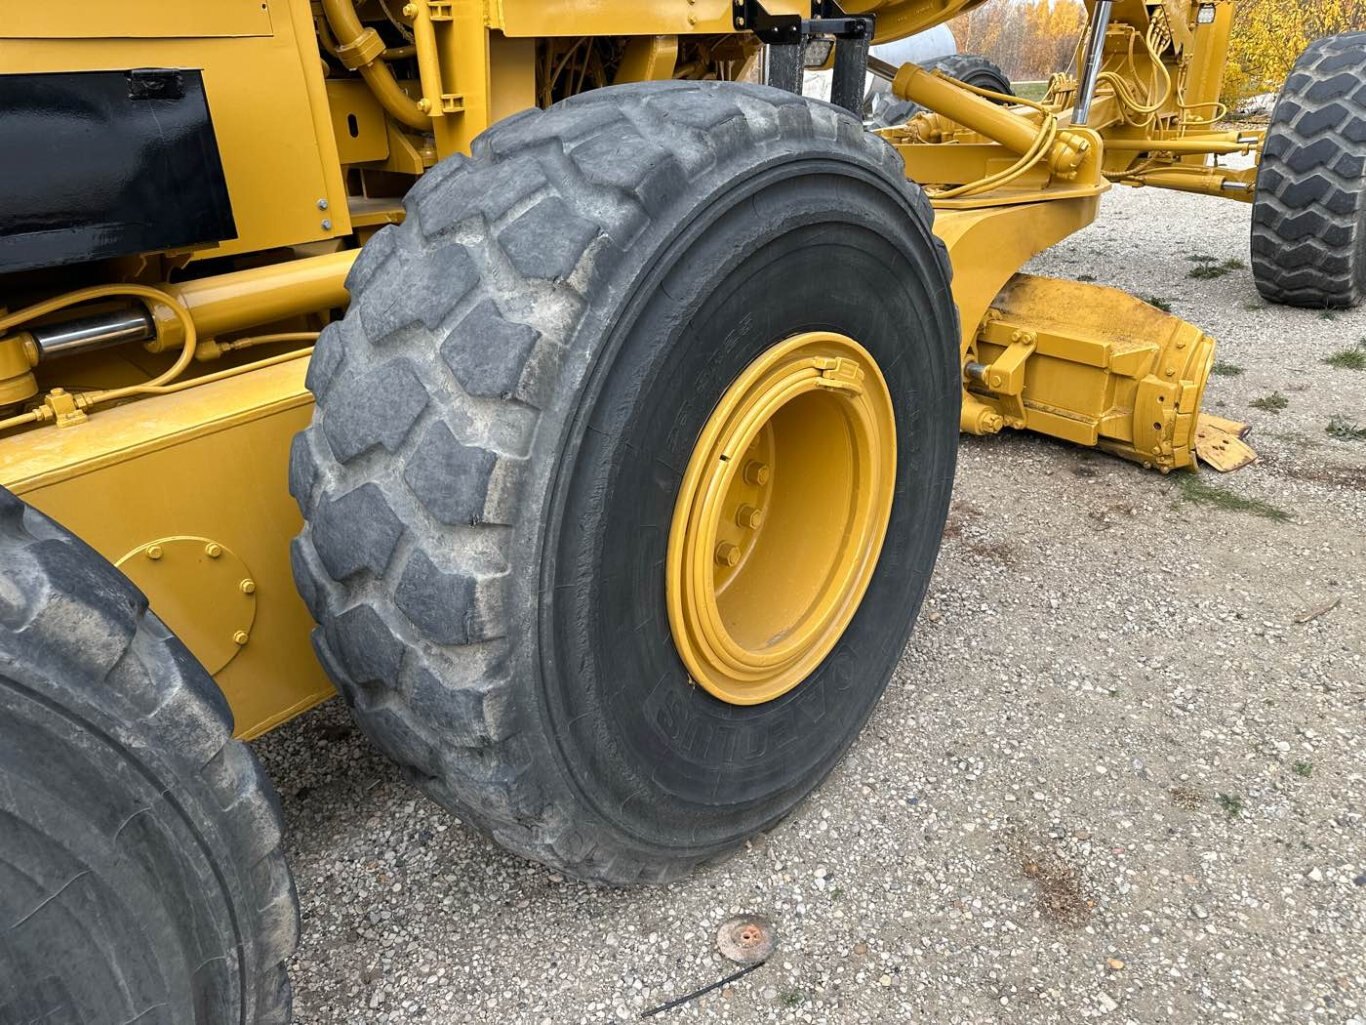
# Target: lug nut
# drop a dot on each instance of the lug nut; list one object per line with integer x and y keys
{"x": 154, "y": 552}
{"x": 248, "y": 586}
{"x": 727, "y": 554}
{"x": 749, "y": 517}
{"x": 240, "y": 638}
{"x": 213, "y": 550}
{"x": 756, "y": 473}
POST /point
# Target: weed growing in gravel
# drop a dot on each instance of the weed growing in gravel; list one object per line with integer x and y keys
{"x": 1202, "y": 258}
{"x": 1349, "y": 359}
{"x": 1159, "y": 302}
{"x": 1186, "y": 796}
{"x": 1197, "y": 492}
{"x": 1328, "y": 315}
{"x": 1303, "y": 769}
{"x": 1273, "y": 403}
{"x": 792, "y": 997}
{"x": 1209, "y": 270}
{"x": 1222, "y": 369}
{"x": 1231, "y": 803}
{"x": 1344, "y": 429}
{"x": 1058, "y": 892}
{"x": 1086, "y": 278}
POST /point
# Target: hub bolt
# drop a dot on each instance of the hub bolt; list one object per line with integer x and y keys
{"x": 749, "y": 517}
{"x": 756, "y": 473}
{"x": 727, "y": 554}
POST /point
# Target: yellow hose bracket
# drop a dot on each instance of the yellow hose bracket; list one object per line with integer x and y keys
{"x": 1094, "y": 366}
{"x": 363, "y": 51}
{"x": 65, "y": 408}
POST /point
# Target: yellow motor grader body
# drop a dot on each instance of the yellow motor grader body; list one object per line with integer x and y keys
{"x": 165, "y": 447}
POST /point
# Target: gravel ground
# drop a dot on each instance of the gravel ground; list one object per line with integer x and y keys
{"x": 1118, "y": 774}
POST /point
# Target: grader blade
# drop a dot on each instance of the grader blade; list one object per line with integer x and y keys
{"x": 1098, "y": 367}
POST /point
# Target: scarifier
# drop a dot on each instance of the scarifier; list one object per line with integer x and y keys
{"x": 581, "y": 410}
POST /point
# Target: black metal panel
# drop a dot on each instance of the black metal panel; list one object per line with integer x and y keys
{"x": 107, "y": 163}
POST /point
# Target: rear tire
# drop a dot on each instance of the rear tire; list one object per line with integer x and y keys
{"x": 141, "y": 876}
{"x": 1309, "y": 215}
{"x": 968, "y": 68}
{"x": 502, "y": 423}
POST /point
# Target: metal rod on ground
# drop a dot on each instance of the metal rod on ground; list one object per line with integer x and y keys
{"x": 703, "y": 991}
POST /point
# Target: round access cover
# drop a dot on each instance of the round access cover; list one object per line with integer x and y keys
{"x": 201, "y": 590}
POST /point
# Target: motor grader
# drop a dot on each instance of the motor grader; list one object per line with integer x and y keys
{"x": 592, "y": 408}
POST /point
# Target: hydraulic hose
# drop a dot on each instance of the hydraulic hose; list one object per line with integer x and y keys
{"x": 361, "y": 49}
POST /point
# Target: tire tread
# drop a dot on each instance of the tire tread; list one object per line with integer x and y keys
{"x": 550, "y": 200}
{"x": 80, "y": 636}
{"x": 1309, "y": 216}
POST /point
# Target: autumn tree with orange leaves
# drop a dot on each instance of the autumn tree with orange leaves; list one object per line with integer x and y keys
{"x": 1270, "y": 35}
{"x": 1031, "y": 39}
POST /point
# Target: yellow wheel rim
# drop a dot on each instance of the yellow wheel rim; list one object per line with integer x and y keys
{"x": 781, "y": 517}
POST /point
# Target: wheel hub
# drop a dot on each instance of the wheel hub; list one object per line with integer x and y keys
{"x": 781, "y": 517}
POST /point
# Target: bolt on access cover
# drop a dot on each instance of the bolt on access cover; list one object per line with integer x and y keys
{"x": 746, "y": 939}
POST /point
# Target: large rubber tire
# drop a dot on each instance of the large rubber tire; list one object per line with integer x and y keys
{"x": 1309, "y": 215}
{"x": 969, "y": 68}
{"x": 502, "y": 422}
{"x": 141, "y": 877}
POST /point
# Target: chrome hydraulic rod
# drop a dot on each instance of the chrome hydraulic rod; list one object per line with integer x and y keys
{"x": 93, "y": 332}
{"x": 1095, "y": 57}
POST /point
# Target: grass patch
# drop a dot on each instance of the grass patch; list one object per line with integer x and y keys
{"x": 1344, "y": 429}
{"x": 1349, "y": 359}
{"x": 1273, "y": 403}
{"x": 1208, "y": 269}
{"x": 1159, "y": 302}
{"x": 1035, "y": 91}
{"x": 1328, "y": 315}
{"x": 1303, "y": 769}
{"x": 1231, "y": 803}
{"x": 1222, "y": 369}
{"x": 1197, "y": 492}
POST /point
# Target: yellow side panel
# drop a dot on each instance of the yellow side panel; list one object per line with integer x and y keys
{"x": 623, "y": 17}
{"x": 264, "y": 83}
{"x": 144, "y": 19}
{"x": 210, "y": 462}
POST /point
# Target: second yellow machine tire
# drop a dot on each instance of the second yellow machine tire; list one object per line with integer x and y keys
{"x": 533, "y": 441}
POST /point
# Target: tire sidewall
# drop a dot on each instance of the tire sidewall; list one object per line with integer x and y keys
{"x": 608, "y": 327}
